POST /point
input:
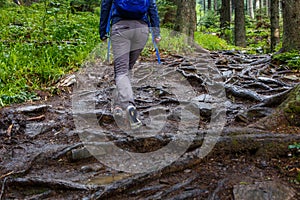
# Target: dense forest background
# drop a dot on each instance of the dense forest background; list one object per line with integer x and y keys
{"x": 41, "y": 41}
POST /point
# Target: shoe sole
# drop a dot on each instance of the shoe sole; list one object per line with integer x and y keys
{"x": 136, "y": 125}
{"x": 133, "y": 125}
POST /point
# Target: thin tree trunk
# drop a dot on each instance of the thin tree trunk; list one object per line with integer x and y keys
{"x": 275, "y": 31}
{"x": 215, "y": 6}
{"x": 209, "y": 5}
{"x": 257, "y": 5}
{"x": 261, "y": 5}
{"x": 291, "y": 25}
{"x": 225, "y": 20}
{"x": 251, "y": 10}
{"x": 232, "y": 6}
{"x": 268, "y": 8}
{"x": 239, "y": 25}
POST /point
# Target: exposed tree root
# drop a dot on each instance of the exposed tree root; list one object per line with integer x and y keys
{"x": 50, "y": 183}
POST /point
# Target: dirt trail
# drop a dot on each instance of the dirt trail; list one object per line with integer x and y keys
{"x": 197, "y": 106}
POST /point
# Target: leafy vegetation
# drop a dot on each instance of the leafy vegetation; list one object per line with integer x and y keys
{"x": 39, "y": 44}
{"x": 291, "y": 59}
{"x": 211, "y": 42}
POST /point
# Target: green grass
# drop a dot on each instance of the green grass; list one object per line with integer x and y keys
{"x": 38, "y": 45}
{"x": 211, "y": 42}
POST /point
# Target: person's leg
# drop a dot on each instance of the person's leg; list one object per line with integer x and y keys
{"x": 138, "y": 42}
{"x": 121, "y": 43}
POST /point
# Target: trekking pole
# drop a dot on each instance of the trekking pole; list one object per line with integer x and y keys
{"x": 155, "y": 46}
{"x": 108, "y": 36}
{"x": 108, "y": 50}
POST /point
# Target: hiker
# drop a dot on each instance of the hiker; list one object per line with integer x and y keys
{"x": 131, "y": 22}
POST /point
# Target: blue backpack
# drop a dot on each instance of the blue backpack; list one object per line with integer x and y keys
{"x": 132, "y": 9}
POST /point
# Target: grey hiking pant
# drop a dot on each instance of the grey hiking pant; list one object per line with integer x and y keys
{"x": 128, "y": 39}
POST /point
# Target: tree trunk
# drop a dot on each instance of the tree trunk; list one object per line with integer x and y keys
{"x": 286, "y": 114}
{"x": 257, "y": 4}
{"x": 268, "y": 5}
{"x": 239, "y": 25}
{"x": 208, "y": 4}
{"x": 275, "y": 31}
{"x": 168, "y": 16}
{"x": 225, "y": 20}
{"x": 232, "y": 7}
{"x": 186, "y": 18}
{"x": 250, "y": 8}
{"x": 215, "y": 6}
{"x": 291, "y": 25}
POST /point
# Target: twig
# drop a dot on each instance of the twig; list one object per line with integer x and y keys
{"x": 7, "y": 174}
{"x": 3, "y": 188}
{"x": 38, "y": 118}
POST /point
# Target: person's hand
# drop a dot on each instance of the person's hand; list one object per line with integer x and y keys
{"x": 103, "y": 39}
{"x": 157, "y": 39}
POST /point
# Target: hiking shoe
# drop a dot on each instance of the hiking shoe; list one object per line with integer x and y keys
{"x": 132, "y": 117}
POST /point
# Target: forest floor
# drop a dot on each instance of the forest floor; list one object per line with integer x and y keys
{"x": 47, "y": 145}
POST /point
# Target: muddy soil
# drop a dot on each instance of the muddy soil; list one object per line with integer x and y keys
{"x": 50, "y": 148}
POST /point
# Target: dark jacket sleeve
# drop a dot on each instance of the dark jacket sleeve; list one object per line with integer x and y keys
{"x": 104, "y": 15}
{"x": 154, "y": 18}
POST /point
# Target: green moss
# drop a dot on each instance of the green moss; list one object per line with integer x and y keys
{"x": 291, "y": 107}
{"x": 291, "y": 59}
{"x": 298, "y": 177}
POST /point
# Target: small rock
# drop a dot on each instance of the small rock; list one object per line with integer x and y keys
{"x": 86, "y": 169}
{"x": 227, "y": 74}
{"x": 67, "y": 81}
{"x": 264, "y": 163}
{"x": 32, "y": 109}
{"x": 79, "y": 154}
{"x": 91, "y": 168}
{"x": 267, "y": 190}
{"x": 34, "y": 129}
